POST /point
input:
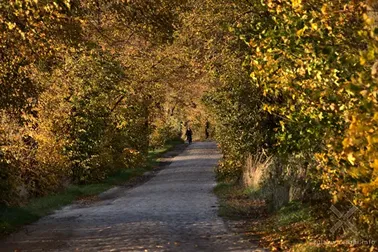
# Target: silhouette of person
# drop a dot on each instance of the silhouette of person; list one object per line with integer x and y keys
{"x": 207, "y": 129}
{"x": 189, "y": 134}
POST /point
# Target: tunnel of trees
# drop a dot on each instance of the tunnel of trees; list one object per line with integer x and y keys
{"x": 89, "y": 86}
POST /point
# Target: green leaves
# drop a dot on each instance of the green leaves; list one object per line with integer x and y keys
{"x": 310, "y": 76}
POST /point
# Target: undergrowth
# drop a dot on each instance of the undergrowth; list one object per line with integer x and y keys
{"x": 287, "y": 229}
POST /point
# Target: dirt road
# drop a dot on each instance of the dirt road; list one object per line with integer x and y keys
{"x": 174, "y": 211}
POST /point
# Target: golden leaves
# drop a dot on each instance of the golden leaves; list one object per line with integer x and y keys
{"x": 300, "y": 32}
{"x": 296, "y": 4}
{"x": 314, "y": 26}
{"x": 10, "y": 25}
{"x": 324, "y": 9}
{"x": 323, "y": 82}
{"x": 351, "y": 158}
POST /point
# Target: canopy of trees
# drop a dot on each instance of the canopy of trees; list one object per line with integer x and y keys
{"x": 88, "y": 86}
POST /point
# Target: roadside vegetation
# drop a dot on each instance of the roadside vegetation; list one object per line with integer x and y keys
{"x": 13, "y": 218}
{"x": 88, "y": 88}
{"x": 295, "y": 108}
{"x": 288, "y": 87}
{"x": 296, "y": 226}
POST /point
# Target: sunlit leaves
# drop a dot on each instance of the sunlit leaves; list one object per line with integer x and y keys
{"x": 312, "y": 62}
{"x": 85, "y": 82}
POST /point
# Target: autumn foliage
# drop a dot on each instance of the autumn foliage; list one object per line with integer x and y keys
{"x": 310, "y": 96}
{"x": 87, "y": 87}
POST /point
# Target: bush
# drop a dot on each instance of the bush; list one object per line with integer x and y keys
{"x": 31, "y": 162}
{"x": 311, "y": 94}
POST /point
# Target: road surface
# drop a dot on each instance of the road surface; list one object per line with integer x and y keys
{"x": 174, "y": 211}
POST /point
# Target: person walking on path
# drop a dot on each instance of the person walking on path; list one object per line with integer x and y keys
{"x": 189, "y": 134}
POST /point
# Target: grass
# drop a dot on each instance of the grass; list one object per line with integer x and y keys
{"x": 304, "y": 227}
{"x": 278, "y": 231}
{"x": 295, "y": 227}
{"x": 154, "y": 154}
{"x": 13, "y": 218}
{"x": 237, "y": 202}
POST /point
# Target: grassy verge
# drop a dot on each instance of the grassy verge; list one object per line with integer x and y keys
{"x": 295, "y": 227}
{"x": 153, "y": 155}
{"x": 12, "y": 218}
{"x": 306, "y": 227}
{"x": 238, "y": 203}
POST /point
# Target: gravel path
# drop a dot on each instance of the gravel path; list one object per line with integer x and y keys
{"x": 174, "y": 211}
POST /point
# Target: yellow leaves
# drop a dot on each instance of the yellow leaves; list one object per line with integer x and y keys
{"x": 367, "y": 19}
{"x": 371, "y": 54}
{"x": 270, "y": 4}
{"x": 324, "y": 9}
{"x": 367, "y": 188}
{"x": 131, "y": 151}
{"x": 322, "y": 159}
{"x": 335, "y": 198}
{"x": 22, "y": 35}
{"x": 296, "y": 4}
{"x": 251, "y": 43}
{"x": 301, "y": 31}
{"x": 374, "y": 139}
{"x": 374, "y": 165}
{"x": 68, "y": 3}
{"x": 10, "y": 25}
{"x": 319, "y": 76}
{"x": 354, "y": 173}
{"x": 332, "y": 94}
{"x": 267, "y": 108}
{"x": 347, "y": 142}
{"x": 301, "y": 71}
{"x": 364, "y": 93}
{"x": 362, "y": 60}
{"x": 351, "y": 158}
{"x": 320, "y": 116}
{"x": 314, "y": 26}
{"x": 285, "y": 40}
